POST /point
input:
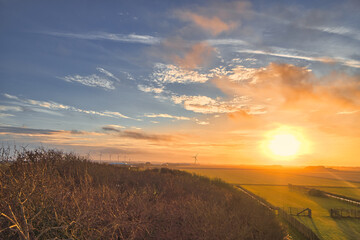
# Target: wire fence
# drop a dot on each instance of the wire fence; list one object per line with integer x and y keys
{"x": 344, "y": 213}
{"x": 300, "y": 227}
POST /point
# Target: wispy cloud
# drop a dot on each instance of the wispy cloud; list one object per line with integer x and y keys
{"x": 207, "y": 105}
{"x": 94, "y": 80}
{"x": 227, "y": 41}
{"x": 348, "y": 112}
{"x": 201, "y": 122}
{"x": 340, "y": 30}
{"x": 167, "y": 73}
{"x": 290, "y": 54}
{"x": 145, "y": 136}
{"x": 22, "y": 130}
{"x": 91, "y": 81}
{"x": 113, "y": 128}
{"x": 213, "y": 25}
{"x": 57, "y": 106}
{"x": 10, "y": 108}
{"x": 216, "y": 18}
{"x": 135, "y": 134}
{"x": 3, "y": 115}
{"x": 164, "y": 115}
{"x": 150, "y": 89}
{"x": 107, "y": 73}
{"x": 129, "y": 38}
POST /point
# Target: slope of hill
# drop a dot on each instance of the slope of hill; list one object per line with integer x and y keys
{"x": 49, "y": 194}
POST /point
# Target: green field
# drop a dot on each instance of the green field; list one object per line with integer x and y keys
{"x": 272, "y": 184}
{"x": 348, "y": 192}
{"x": 321, "y": 223}
{"x": 268, "y": 176}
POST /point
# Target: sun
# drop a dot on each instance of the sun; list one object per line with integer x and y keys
{"x": 284, "y": 144}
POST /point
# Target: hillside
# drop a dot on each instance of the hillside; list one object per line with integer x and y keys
{"x": 50, "y": 194}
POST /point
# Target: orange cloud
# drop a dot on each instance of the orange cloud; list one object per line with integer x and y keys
{"x": 184, "y": 54}
{"x": 199, "y": 54}
{"x": 285, "y": 86}
{"x": 214, "y": 25}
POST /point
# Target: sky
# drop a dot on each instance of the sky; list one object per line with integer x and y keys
{"x": 162, "y": 81}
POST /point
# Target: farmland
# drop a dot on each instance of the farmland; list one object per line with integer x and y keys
{"x": 270, "y": 177}
{"x": 345, "y": 191}
{"x": 271, "y": 184}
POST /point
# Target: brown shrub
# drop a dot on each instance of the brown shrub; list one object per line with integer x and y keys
{"x": 52, "y": 195}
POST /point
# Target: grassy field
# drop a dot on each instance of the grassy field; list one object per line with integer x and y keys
{"x": 345, "y": 191}
{"x": 268, "y": 176}
{"x": 321, "y": 223}
{"x": 269, "y": 181}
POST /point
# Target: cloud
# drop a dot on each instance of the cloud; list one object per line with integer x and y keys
{"x": 22, "y": 130}
{"x": 94, "y": 80}
{"x": 284, "y": 86}
{"x": 167, "y": 73}
{"x": 11, "y": 96}
{"x": 10, "y": 108}
{"x": 113, "y": 128}
{"x": 339, "y": 30}
{"x": 217, "y": 17}
{"x": 213, "y": 25}
{"x": 3, "y": 115}
{"x": 74, "y": 131}
{"x": 197, "y": 55}
{"x": 201, "y": 122}
{"x": 164, "y": 115}
{"x": 91, "y": 81}
{"x": 57, "y": 106}
{"x": 348, "y": 112}
{"x": 290, "y": 53}
{"x": 207, "y": 105}
{"x": 227, "y": 41}
{"x": 145, "y": 136}
{"x": 128, "y": 38}
{"x": 150, "y": 89}
{"x": 185, "y": 54}
{"x": 107, "y": 73}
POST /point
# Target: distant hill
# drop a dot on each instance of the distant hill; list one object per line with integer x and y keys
{"x": 52, "y": 195}
{"x": 319, "y": 168}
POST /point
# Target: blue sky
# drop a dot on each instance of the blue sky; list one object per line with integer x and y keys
{"x": 150, "y": 79}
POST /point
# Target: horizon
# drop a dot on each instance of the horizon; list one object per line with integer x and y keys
{"x": 252, "y": 83}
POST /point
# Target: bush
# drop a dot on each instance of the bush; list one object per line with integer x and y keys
{"x": 50, "y": 194}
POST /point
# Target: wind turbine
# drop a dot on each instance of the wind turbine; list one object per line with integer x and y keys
{"x": 195, "y": 158}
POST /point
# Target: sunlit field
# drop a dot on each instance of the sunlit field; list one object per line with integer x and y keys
{"x": 272, "y": 176}
{"x": 321, "y": 223}
{"x": 272, "y": 185}
{"x": 345, "y": 191}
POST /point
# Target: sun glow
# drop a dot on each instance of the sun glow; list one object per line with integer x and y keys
{"x": 284, "y": 145}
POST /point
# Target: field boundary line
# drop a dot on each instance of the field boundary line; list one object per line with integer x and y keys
{"x": 303, "y": 229}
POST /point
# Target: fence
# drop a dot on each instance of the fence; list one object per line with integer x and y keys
{"x": 344, "y": 213}
{"x": 299, "y": 211}
{"x": 320, "y": 193}
{"x": 306, "y": 231}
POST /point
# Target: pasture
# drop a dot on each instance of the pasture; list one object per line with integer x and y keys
{"x": 345, "y": 191}
{"x": 321, "y": 222}
{"x": 271, "y": 184}
{"x": 269, "y": 177}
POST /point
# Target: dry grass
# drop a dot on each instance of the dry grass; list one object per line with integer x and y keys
{"x": 52, "y": 195}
